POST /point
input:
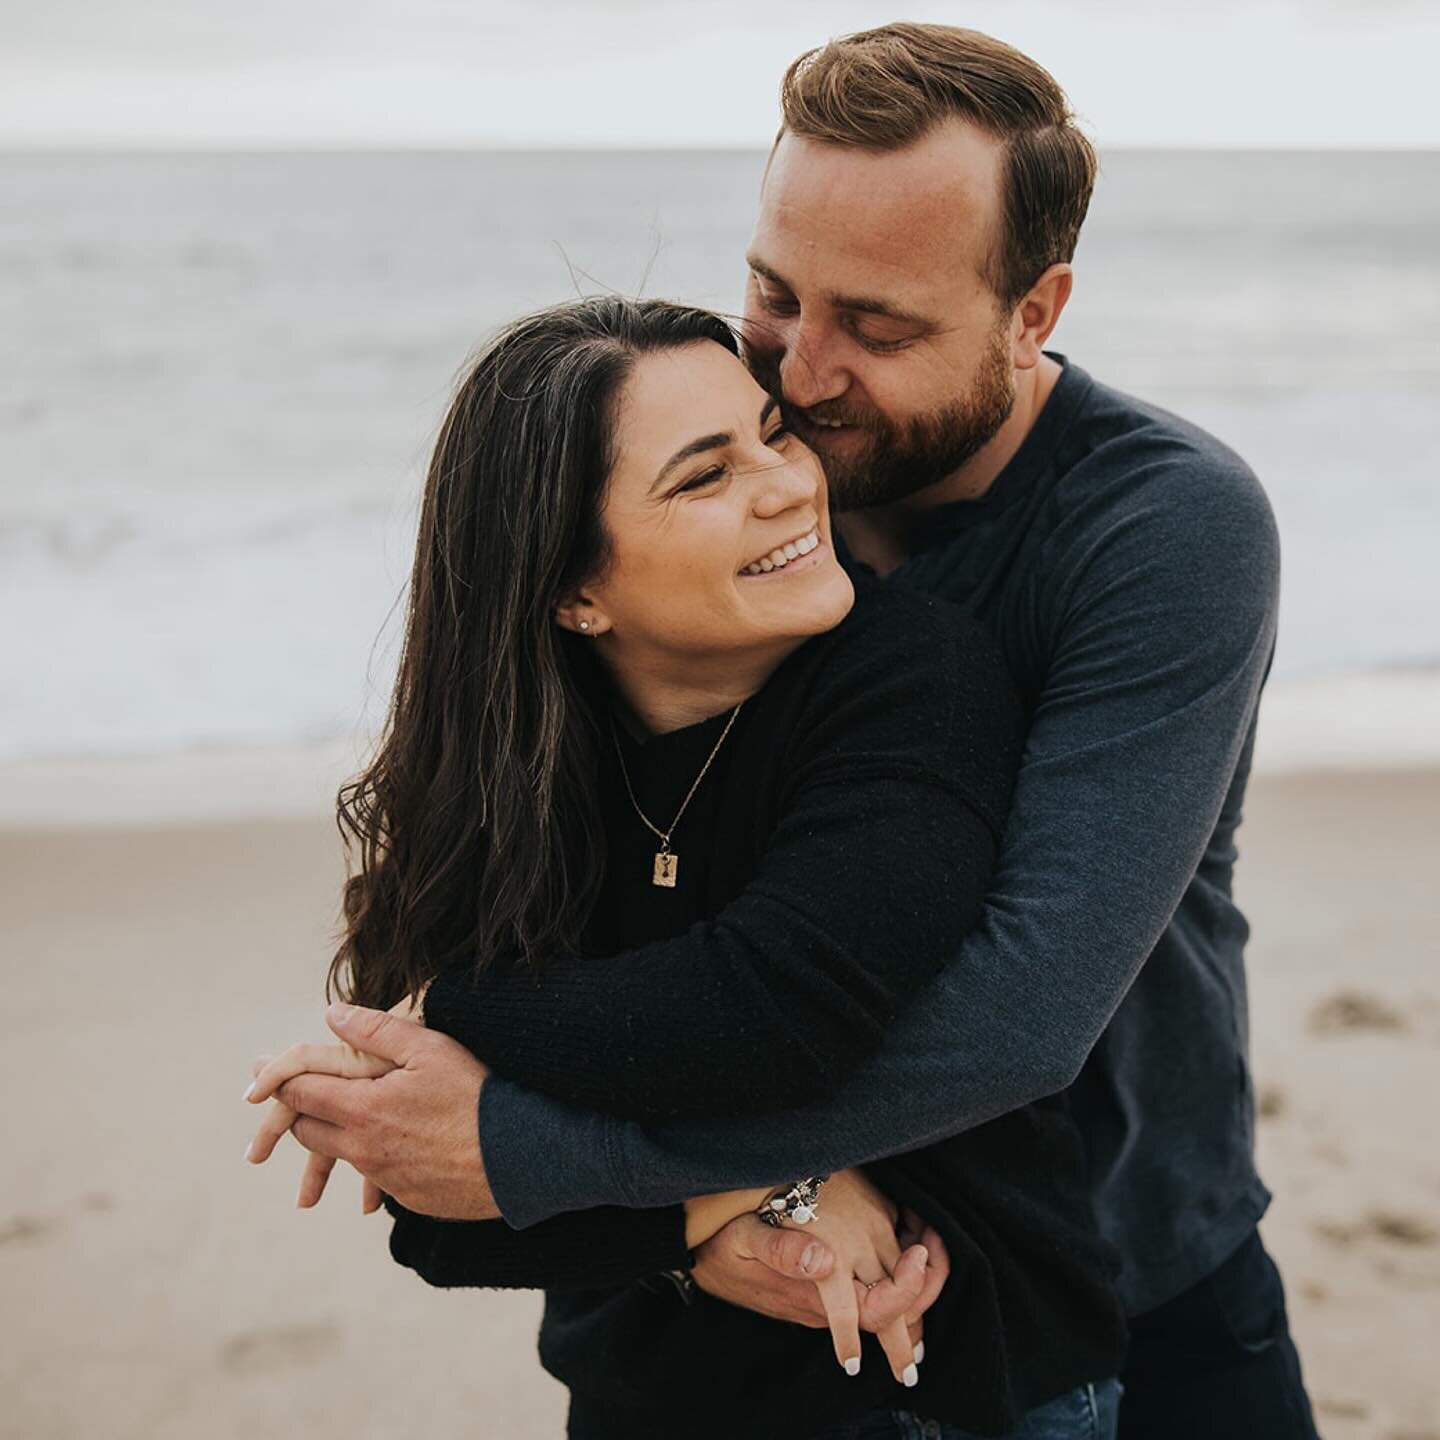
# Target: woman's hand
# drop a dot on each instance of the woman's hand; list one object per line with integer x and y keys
{"x": 858, "y": 1224}
{"x": 271, "y": 1072}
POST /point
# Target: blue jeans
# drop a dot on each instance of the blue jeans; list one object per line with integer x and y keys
{"x": 1089, "y": 1413}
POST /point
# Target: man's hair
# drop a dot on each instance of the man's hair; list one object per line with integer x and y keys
{"x": 883, "y": 89}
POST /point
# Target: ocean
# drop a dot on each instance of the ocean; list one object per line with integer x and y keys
{"x": 220, "y": 376}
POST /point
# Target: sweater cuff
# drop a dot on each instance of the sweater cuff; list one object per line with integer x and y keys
{"x": 543, "y": 1157}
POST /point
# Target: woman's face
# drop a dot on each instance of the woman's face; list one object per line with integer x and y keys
{"x": 719, "y": 534}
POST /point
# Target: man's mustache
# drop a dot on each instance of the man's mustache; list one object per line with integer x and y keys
{"x": 825, "y": 415}
{"x": 767, "y": 372}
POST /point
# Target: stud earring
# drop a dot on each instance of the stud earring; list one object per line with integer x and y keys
{"x": 584, "y": 624}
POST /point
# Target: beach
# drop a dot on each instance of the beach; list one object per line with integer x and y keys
{"x": 214, "y": 423}
{"x": 154, "y": 1285}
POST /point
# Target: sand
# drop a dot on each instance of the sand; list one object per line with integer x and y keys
{"x": 153, "y": 1285}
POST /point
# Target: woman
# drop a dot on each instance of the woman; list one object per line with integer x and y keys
{"x": 667, "y": 822}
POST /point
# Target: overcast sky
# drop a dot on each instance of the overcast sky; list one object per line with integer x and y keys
{"x": 202, "y": 73}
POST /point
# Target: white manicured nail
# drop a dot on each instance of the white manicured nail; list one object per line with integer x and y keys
{"x": 910, "y": 1375}
{"x": 249, "y": 1089}
{"x": 249, "y": 1148}
{"x": 919, "y": 1351}
{"x": 852, "y": 1365}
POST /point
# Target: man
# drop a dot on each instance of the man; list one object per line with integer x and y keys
{"x": 911, "y": 257}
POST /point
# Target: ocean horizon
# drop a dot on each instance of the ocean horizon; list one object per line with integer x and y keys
{"x": 226, "y": 368}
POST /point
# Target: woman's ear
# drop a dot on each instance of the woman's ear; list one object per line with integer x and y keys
{"x": 582, "y": 615}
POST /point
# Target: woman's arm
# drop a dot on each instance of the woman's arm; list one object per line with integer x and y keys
{"x": 607, "y": 1246}
{"x": 874, "y": 874}
{"x": 615, "y": 1247}
{"x": 707, "y": 1215}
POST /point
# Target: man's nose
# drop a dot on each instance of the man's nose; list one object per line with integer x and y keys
{"x": 808, "y": 372}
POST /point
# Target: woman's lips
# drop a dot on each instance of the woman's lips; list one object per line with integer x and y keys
{"x": 805, "y": 562}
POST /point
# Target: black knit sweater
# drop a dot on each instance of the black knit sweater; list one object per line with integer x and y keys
{"x": 829, "y": 864}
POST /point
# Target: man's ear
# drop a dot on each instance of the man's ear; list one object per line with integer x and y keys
{"x": 1039, "y": 313}
{"x": 582, "y": 615}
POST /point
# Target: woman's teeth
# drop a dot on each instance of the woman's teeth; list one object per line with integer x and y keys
{"x": 778, "y": 559}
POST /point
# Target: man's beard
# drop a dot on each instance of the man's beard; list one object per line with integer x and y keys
{"x": 899, "y": 459}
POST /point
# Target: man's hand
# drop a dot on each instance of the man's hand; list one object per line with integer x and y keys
{"x": 412, "y": 1132}
{"x": 773, "y": 1271}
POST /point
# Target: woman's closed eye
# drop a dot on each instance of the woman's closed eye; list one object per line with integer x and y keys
{"x": 700, "y": 481}
{"x": 714, "y": 473}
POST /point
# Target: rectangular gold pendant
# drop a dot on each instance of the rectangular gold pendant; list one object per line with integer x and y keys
{"x": 666, "y": 868}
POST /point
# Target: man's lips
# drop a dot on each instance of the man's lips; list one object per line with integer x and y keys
{"x": 824, "y": 425}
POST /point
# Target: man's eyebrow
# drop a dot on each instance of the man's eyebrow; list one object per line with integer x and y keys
{"x": 866, "y": 305}
{"x": 862, "y": 304}
{"x": 708, "y": 442}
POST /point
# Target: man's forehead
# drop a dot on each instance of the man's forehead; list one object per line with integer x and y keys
{"x": 906, "y": 219}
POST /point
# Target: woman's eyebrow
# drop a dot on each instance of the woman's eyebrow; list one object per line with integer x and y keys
{"x": 708, "y": 442}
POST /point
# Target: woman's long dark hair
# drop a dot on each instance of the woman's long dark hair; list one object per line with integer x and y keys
{"x": 475, "y": 834}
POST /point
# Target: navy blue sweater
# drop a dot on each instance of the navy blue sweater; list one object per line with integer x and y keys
{"x": 1129, "y": 565}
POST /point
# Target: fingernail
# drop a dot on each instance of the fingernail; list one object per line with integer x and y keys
{"x": 341, "y": 1013}
{"x": 807, "y": 1260}
{"x": 919, "y": 1351}
{"x": 910, "y": 1375}
{"x": 924, "y": 1255}
{"x": 249, "y": 1089}
{"x": 852, "y": 1365}
{"x": 249, "y": 1148}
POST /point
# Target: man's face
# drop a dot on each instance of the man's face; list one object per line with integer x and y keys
{"x": 869, "y": 307}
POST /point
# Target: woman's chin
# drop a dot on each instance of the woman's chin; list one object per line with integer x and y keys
{"x": 809, "y": 602}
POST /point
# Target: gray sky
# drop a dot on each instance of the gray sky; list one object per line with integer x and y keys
{"x": 201, "y": 73}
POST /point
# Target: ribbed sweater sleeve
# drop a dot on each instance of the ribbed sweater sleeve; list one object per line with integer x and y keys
{"x": 905, "y": 754}
{"x": 606, "y": 1246}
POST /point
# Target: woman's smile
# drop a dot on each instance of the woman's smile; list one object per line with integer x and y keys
{"x": 709, "y": 495}
{"x": 787, "y": 557}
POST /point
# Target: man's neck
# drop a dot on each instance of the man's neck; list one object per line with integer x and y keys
{"x": 882, "y": 537}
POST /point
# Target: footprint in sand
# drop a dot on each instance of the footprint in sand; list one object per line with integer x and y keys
{"x": 1342, "y": 1409}
{"x": 26, "y": 1229}
{"x": 1400, "y": 1247}
{"x": 1270, "y": 1102}
{"x": 1348, "y": 1011}
{"x": 277, "y": 1346}
{"x": 1393, "y": 1227}
{"x": 1403, "y": 1229}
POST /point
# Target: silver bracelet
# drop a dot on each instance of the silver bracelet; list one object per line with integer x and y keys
{"x": 799, "y": 1204}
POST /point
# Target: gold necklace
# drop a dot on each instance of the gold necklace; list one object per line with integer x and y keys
{"x": 667, "y": 864}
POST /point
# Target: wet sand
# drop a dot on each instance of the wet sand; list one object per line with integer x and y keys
{"x": 152, "y": 1285}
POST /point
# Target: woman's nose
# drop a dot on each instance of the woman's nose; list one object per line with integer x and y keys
{"x": 785, "y": 485}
